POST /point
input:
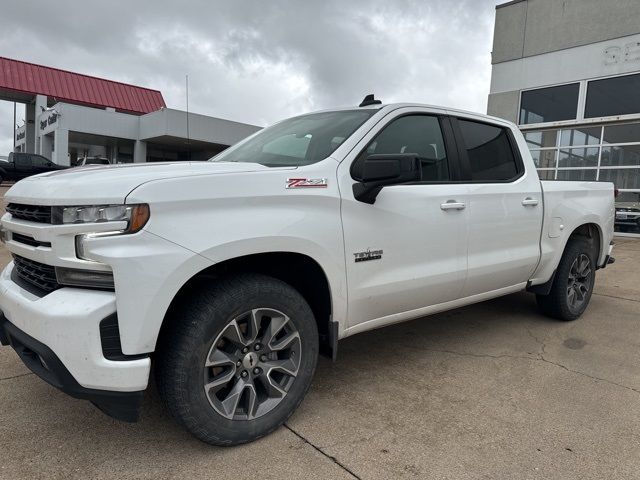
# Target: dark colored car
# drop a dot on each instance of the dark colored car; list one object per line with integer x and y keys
{"x": 21, "y": 165}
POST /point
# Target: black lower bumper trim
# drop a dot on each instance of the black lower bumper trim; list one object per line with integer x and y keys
{"x": 41, "y": 360}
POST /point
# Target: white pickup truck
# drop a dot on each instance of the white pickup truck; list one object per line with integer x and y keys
{"x": 231, "y": 276}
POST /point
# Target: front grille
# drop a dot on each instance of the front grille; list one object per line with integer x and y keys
{"x": 32, "y": 213}
{"x": 36, "y": 273}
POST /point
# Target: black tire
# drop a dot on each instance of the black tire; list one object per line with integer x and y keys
{"x": 557, "y": 304}
{"x": 187, "y": 343}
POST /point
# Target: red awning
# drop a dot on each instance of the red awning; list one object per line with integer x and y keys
{"x": 65, "y": 86}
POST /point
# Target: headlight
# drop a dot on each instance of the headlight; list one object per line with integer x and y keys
{"x": 136, "y": 216}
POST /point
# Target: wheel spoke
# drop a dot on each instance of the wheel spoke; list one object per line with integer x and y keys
{"x": 218, "y": 358}
{"x": 220, "y": 381}
{"x": 276, "y": 324}
{"x": 572, "y": 296}
{"x": 273, "y": 389}
{"x": 234, "y": 335}
{"x": 230, "y": 403}
{"x": 254, "y": 324}
{"x": 288, "y": 366}
{"x": 252, "y": 401}
{"x": 584, "y": 264}
{"x": 285, "y": 341}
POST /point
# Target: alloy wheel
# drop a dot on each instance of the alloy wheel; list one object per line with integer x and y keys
{"x": 252, "y": 364}
{"x": 579, "y": 282}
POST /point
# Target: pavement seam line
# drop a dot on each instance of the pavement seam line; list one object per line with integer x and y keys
{"x": 538, "y": 358}
{"x": 613, "y": 296}
{"x": 17, "y": 376}
{"x": 324, "y": 454}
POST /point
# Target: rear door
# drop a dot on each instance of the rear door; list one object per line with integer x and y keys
{"x": 505, "y": 207}
{"x": 406, "y": 251}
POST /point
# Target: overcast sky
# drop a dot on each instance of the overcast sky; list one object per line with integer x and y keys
{"x": 260, "y": 61}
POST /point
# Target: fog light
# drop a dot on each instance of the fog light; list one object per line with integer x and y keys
{"x": 84, "y": 278}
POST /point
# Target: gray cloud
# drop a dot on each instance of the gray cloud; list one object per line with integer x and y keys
{"x": 258, "y": 61}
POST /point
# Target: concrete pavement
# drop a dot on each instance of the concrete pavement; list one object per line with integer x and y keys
{"x": 493, "y": 390}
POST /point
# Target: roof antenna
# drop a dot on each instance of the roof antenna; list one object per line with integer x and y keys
{"x": 369, "y": 100}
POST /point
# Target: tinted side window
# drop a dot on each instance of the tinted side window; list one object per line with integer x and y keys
{"x": 489, "y": 150}
{"x": 22, "y": 159}
{"x": 419, "y": 134}
{"x": 39, "y": 161}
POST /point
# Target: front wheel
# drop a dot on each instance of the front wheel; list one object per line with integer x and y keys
{"x": 573, "y": 283}
{"x": 238, "y": 359}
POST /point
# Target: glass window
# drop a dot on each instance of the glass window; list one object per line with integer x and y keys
{"x": 489, "y": 150}
{"x": 298, "y": 141}
{"x": 419, "y": 134}
{"x": 585, "y": 175}
{"x": 544, "y": 158}
{"x": 580, "y": 136}
{"x": 288, "y": 146}
{"x": 541, "y": 139}
{"x": 628, "y": 212}
{"x": 626, "y": 178}
{"x": 625, "y": 133}
{"x": 622, "y": 155}
{"x": 613, "y": 96}
{"x": 547, "y": 174}
{"x": 549, "y": 104}
{"x": 578, "y": 157}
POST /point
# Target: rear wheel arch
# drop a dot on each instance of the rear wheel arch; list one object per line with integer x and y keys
{"x": 593, "y": 234}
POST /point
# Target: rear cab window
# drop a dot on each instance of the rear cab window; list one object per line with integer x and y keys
{"x": 491, "y": 152}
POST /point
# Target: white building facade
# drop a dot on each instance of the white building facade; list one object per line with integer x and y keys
{"x": 568, "y": 73}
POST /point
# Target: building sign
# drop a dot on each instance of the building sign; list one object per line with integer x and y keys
{"x": 50, "y": 120}
{"x": 616, "y": 54}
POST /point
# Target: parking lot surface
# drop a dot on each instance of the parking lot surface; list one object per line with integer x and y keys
{"x": 493, "y": 390}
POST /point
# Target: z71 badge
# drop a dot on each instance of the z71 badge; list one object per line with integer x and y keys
{"x": 306, "y": 183}
{"x": 368, "y": 255}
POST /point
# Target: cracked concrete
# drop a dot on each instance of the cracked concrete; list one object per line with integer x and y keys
{"x": 493, "y": 390}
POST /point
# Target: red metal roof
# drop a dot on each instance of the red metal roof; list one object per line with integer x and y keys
{"x": 73, "y": 87}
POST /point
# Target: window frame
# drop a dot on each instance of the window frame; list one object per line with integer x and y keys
{"x": 589, "y": 81}
{"x": 579, "y": 103}
{"x": 465, "y": 164}
{"x": 450, "y": 146}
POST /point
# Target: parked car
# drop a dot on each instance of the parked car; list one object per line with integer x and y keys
{"x": 93, "y": 161}
{"x": 21, "y": 165}
{"x": 232, "y": 275}
{"x": 628, "y": 211}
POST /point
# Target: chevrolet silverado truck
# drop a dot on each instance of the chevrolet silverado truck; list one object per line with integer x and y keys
{"x": 231, "y": 276}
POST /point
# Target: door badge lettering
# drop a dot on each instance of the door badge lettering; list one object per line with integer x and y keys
{"x": 368, "y": 255}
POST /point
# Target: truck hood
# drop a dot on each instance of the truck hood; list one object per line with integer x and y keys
{"x": 96, "y": 184}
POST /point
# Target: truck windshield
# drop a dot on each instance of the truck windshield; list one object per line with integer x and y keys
{"x": 298, "y": 141}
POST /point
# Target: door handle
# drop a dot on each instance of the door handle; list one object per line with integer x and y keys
{"x": 452, "y": 205}
{"x": 530, "y": 202}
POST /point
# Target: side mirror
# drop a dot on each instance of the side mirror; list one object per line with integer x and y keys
{"x": 377, "y": 171}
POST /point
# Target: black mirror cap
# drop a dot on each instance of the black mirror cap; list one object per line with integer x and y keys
{"x": 377, "y": 171}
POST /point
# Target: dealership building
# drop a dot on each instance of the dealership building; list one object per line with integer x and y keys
{"x": 568, "y": 73}
{"x": 70, "y": 115}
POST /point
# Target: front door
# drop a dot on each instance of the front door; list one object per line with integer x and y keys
{"x": 406, "y": 251}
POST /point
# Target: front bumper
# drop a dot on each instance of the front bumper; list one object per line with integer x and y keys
{"x": 42, "y": 361}
{"x": 66, "y": 323}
